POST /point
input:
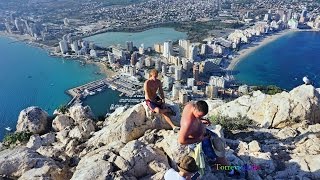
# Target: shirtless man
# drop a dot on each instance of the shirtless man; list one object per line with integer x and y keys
{"x": 193, "y": 128}
{"x": 154, "y": 102}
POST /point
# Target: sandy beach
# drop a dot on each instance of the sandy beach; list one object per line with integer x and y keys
{"x": 253, "y": 46}
{"x": 104, "y": 69}
{"x": 26, "y": 39}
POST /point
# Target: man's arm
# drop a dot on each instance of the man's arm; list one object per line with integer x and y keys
{"x": 161, "y": 92}
{"x": 146, "y": 90}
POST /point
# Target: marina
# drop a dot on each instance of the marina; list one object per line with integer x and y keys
{"x": 123, "y": 83}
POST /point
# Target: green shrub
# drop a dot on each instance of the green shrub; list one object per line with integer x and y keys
{"x": 237, "y": 123}
{"x": 271, "y": 90}
{"x": 63, "y": 109}
{"x": 13, "y": 138}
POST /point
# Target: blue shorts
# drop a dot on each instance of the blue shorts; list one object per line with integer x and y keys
{"x": 207, "y": 146}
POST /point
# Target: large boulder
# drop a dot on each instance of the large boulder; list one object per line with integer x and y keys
{"x": 93, "y": 166}
{"x": 80, "y": 113}
{"x": 46, "y": 172}
{"x": 301, "y": 103}
{"x": 144, "y": 159}
{"x": 32, "y": 119}
{"x": 61, "y": 122}
{"x": 15, "y": 162}
{"x": 129, "y": 125}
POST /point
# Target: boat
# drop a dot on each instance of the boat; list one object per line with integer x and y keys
{"x": 121, "y": 94}
{"x": 91, "y": 93}
{"x": 8, "y": 128}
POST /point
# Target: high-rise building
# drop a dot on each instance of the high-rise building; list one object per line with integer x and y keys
{"x": 190, "y": 82}
{"x": 167, "y": 82}
{"x": 183, "y": 97}
{"x": 196, "y": 71}
{"x": 132, "y": 70}
{"x": 204, "y": 49}
{"x": 171, "y": 69}
{"x": 193, "y": 52}
{"x": 129, "y": 46}
{"x": 111, "y": 58}
{"x": 211, "y": 91}
{"x": 74, "y": 46}
{"x": 217, "y": 81}
{"x": 164, "y": 69}
{"x": 178, "y": 73}
{"x": 63, "y": 46}
{"x": 184, "y": 48}
{"x": 157, "y": 64}
{"x": 134, "y": 58}
{"x": 175, "y": 90}
{"x": 167, "y": 49}
{"x": 148, "y": 62}
{"x": 158, "y": 48}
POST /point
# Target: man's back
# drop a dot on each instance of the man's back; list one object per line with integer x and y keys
{"x": 191, "y": 127}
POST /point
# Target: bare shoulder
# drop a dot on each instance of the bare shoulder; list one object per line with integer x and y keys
{"x": 188, "y": 106}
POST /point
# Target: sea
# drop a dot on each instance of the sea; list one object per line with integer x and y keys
{"x": 283, "y": 62}
{"x": 30, "y": 77}
{"x": 146, "y": 38}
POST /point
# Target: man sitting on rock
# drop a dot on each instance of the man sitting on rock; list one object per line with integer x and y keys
{"x": 193, "y": 130}
{"x": 187, "y": 168}
{"x": 155, "y": 103}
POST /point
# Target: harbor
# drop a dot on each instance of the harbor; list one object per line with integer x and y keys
{"x": 123, "y": 83}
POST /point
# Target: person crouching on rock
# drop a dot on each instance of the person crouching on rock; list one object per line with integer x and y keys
{"x": 187, "y": 168}
{"x": 155, "y": 103}
{"x": 194, "y": 130}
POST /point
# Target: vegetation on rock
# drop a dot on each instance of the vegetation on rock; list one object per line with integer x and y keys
{"x": 271, "y": 90}
{"x": 17, "y": 137}
{"x": 228, "y": 123}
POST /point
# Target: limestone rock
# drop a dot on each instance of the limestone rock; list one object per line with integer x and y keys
{"x": 93, "y": 166}
{"x": 15, "y": 162}
{"x": 32, "y": 119}
{"x": 286, "y": 133}
{"x": 254, "y": 146}
{"x": 128, "y": 126}
{"x": 45, "y": 172}
{"x": 264, "y": 161}
{"x": 140, "y": 155}
{"x": 34, "y": 142}
{"x": 301, "y": 103}
{"x": 80, "y": 113}
{"x": 83, "y": 130}
{"x": 49, "y": 151}
{"x": 61, "y": 122}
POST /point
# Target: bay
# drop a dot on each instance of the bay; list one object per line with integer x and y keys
{"x": 283, "y": 62}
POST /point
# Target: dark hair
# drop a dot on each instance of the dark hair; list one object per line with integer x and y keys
{"x": 202, "y": 106}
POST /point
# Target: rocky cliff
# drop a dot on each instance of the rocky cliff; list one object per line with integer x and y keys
{"x": 137, "y": 144}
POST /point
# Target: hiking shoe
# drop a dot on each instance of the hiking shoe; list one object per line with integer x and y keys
{"x": 176, "y": 129}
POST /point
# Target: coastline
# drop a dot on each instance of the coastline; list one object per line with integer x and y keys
{"x": 253, "y": 46}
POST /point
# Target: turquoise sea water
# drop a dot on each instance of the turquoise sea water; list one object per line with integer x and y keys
{"x": 283, "y": 62}
{"x": 148, "y": 37}
{"x": 29, "y": 77}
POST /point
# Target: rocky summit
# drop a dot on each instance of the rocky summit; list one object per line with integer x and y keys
{"x": 135, "y": 143}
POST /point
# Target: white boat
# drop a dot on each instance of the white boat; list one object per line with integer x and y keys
{"x": 91, "y": 93}
{"x": 8, "y": 128}
{"x": 99, "y": 90}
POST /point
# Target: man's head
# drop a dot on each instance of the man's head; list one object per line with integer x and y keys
{"x": 201, "y": 109}
{"x": 153, "y": 74}
{"x": 187, "y": 165}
